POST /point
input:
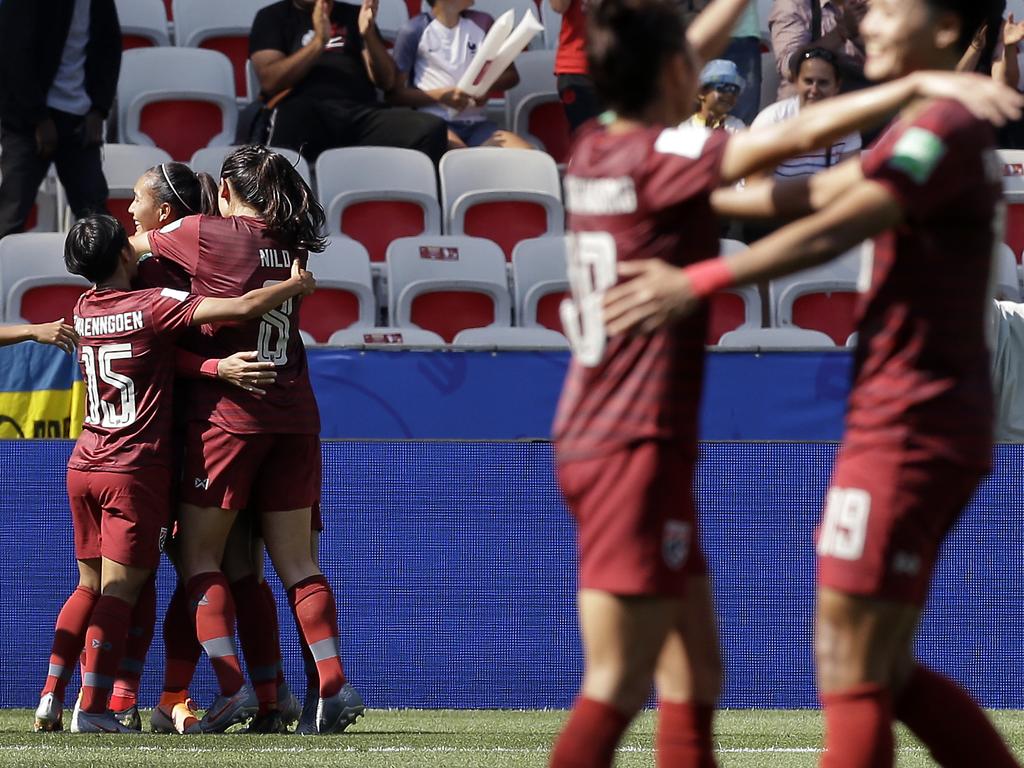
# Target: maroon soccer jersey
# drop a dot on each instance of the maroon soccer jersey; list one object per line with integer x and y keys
{"x": 638, "y": 195}
{"x": 126, "y": 354}
{"x": 922, "y": 368}
{"x": 226, "y": 258}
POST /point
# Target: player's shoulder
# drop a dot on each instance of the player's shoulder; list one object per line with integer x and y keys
{"x": 950, "y": 118}
{"x": 184, "y": 224}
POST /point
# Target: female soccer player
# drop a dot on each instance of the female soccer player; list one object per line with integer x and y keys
{"x": 260, "y": 454}
{"x": 119, "y": 473}
{"x": 626, "y": 431}
{"x": 918, "y": 431}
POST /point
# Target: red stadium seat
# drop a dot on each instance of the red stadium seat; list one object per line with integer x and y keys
{"x": 169, "y": 5}
{"x": 728, "y": 312}
{"x": 328, "y": 310}
{"x": 143, "y": 24}
{"x": 548, "y": 313}
{"x": 505, "y": 195}
{"x": 181, "y": 127}
{"x": 832, "y": 313}
{"x": 447, "y": 284}
{"x": 1015, "y": 229}
{"x": 545, "y": 120}
{"x": 822, "y": 298}
{"x": 236, "y": 48}
{"x": 533, "y": 108}
{"x": 34, "y": 283}
{"x": 219, "y": 26}
{"x": 49, "y": 302}
{"x": 128, "y": 42}
{"x": 344, "y": 297}
{"x": 540, "y": 282}
{"x": 378, "y": 194}
{"x": 118, "y": 208}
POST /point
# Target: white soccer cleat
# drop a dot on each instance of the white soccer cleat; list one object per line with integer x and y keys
{"x": 49, "y": 715}
{"x": 104, "y": 722}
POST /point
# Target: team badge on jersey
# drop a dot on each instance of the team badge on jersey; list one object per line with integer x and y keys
{"x": 675, "y": 543}
{"x": 917, "y": 154}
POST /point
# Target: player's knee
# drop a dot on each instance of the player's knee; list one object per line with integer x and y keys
{"x": 124, "y": 587}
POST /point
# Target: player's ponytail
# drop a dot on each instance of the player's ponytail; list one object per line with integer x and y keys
{"x": 269, "y": 183}
{"x": 628, "y": 43}
{"x": 186, "y": 192}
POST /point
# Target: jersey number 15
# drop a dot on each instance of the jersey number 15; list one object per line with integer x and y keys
{"x": 99, "y": 360}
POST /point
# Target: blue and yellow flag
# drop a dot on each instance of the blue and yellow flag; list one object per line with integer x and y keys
{"x": 41, "y": 393}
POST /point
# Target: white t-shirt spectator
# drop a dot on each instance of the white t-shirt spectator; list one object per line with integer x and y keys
{"x": 434, "y": 56}
{"x": 729, "y": 125}
{"x": 811, "y": 163}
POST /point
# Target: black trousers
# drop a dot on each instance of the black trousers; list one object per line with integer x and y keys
{"x": 79, "y": 168}
{"x": 312, "y": 125}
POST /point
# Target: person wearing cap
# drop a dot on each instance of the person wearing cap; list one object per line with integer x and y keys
{"x": 720, "y": 88}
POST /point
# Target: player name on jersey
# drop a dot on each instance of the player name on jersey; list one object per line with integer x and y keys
{"x": 105, "y": 325}
{"x": 601, "y": 196}
{"x": 271, "y": 257}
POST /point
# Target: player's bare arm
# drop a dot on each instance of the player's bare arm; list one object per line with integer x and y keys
{"x": 820, "y": 125}
{"x": 710, "y": 32}
{"x": 657, "y": 293}
{"x": 788, "y": 198}
{"x": 58, "y": 333}
{"x": 257, "y": 302}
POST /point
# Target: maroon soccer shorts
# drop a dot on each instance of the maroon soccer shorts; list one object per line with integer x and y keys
{"x": 886, "y": 516}
{"x": 261, "y": 472}
{"x": 636, "y": 520}
{"x": 122, "y": 516}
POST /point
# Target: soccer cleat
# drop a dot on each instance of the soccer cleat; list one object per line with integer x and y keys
{"x": 129, "y": 718}
{"x": 307, "y": 719}
{"x": 288, "y": 705}
{"x": 228, "y": 710}
{"x": 336, "y": 713}
{"x": 49, "y": 715}
{"x": 104, "y": 722}
{"x": 270, "y": 722}
{"x": 181, "y": 719}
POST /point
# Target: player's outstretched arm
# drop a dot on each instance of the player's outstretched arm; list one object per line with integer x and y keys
{"x": 657, "y": 293}
{"x": 788, "y": 198}
{"x": 820, "y": 125}
{"x": 709, "y": 33}
{"x": 58, "y": 333}
{"x": 255, "y": 303}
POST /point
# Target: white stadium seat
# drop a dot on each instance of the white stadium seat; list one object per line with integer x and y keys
{"x": 539, "y": 281}
{"x": 391, "y": 17}
{"x": 1007, "y": 283}
{"x": 344, "y": 292}
{"x": 180, "y": 99}
{"x": 775, "y": 339}
{"x": 505, "y": 195}
{"x": 211, "y": 159}
{"x": 34, "y": 283}
{"x": 536, "y": 75}
{"x": 143, "y": 23}
{"x": 447, "y": 284}
{"x": 378, "y": 194}
{"x": 510, "y": 338}
{"x": 385, "y": 337}
{"x": 552, "y": 21}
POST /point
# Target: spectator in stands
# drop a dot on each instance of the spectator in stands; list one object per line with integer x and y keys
{"x": 817, "y": 77}
{"x": 575, "y": 88}
{"x": 720, "y": 89}
{"x": 830, "y": 24}
{"x": 319, "y": 62}
{"x": 59, "y": 64}
{"x": 432, "y": 52}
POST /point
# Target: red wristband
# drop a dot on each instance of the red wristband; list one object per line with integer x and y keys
{"x": 708, "y": 277}
{"x": 209, "y": 368}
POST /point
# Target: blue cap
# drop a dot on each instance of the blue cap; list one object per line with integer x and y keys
{"x": 721, "y": 72}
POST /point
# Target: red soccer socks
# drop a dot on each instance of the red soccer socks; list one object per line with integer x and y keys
{"x": 684, "y": 735}
{"x": 590, "y": 736}
{"x": 140, "y": 635}
{"x": 858, "y": 728}
{"x": 258, "y": 633}
{"x": 104, "y": 646}
{"x": 316, "y": 614}
{"x": 215, "y": 627}
{"x": 948, "y": 722}
{"x": 68, "y": 639}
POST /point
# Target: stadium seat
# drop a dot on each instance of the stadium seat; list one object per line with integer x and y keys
{"x": 536, "y": 75}
{"x": 822, "y": 298}
{"x": 123, "y": 164}
{"x": 43, "y": 216}
{"x": 775, "y": 339}
{"x": 211, "y": 159}
{"x": 179, "y": 99}
{"x": 510, "y": 338}
{"x": 552, "y": 22}
{"x": 391, "y": 17}
{"x": 344, "y": 290}
{"x": 505, "y": 195}
{"x": 34, "y": 283}
{"x": 533, "y": 108}
{"x": 378, "y": 194}
{"x": 385, "y": 337}
{"x": 143, "y": 23}
{"x": 735, "y": 308}
{"x": 1013, "y": 190}
{"x": 1007, "y": 283}
{"x": 447, "y": 284}
{"x": 219, "y": 25}
{"x": 539, "y": 282}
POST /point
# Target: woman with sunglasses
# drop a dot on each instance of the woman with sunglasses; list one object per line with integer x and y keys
{"x": 720, "y": 88}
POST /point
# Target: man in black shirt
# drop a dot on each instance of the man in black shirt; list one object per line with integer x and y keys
{"x": 325, "y": 60}
{"x": 59, "y": 64}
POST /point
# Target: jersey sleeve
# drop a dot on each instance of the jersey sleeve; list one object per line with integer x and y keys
{"x": 267, "y": 33}
{"x": 686, "y": 162}
{"x": 929, "y": 163}
{"x": 171, "y": 311}
{"x": 155, "y": 272}
{"x": 178, "y": 242}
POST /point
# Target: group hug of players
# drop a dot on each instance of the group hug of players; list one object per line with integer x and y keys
{"x": 643, "y": 198}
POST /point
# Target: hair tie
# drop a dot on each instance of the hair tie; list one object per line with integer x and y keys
{"x": 167, "y": 178}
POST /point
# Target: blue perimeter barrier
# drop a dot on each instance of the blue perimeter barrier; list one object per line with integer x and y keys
{"x": 454, "y": 567}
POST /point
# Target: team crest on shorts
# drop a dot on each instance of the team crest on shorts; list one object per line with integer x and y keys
{"x": 675, "y": 543}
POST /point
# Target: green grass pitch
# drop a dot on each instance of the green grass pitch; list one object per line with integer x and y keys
{"x": 436, "y": 738}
